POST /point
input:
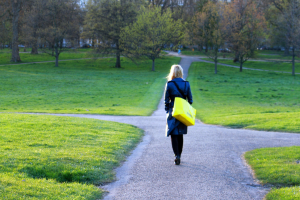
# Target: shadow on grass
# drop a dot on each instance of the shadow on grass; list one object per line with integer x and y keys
{"x": 64, "y": 173}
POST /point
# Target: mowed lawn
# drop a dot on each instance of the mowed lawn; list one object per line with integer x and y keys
{"x": 251, "y": 99}
{"x": 272, "y": 66}
{"x": 277, "y": 167}
{"x": 5, "y": 55}
{"x": 50, "y": 157}
{"x": 84, "y": 86}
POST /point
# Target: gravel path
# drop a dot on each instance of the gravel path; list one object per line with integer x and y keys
{"x": 212, "y": 161}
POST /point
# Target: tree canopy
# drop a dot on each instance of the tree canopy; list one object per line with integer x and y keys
{"x": 152, "y": 31}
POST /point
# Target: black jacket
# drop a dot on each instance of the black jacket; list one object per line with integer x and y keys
{"x": 175, "y": 127}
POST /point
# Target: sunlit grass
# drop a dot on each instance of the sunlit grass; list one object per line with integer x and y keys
{"x": 251, "y": 99}
{"x": 49, "y": 157}
{"x": 87, "y": 86}
{"x": 277, "y": 167}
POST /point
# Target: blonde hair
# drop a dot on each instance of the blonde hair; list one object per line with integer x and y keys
{"x": 175, "y": 72}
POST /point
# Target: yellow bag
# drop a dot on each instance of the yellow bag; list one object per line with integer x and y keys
{"x": 184, "y": 112}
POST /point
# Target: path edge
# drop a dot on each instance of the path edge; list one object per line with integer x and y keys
{"x": 123, "y": 171}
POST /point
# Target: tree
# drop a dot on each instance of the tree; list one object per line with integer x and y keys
{"x": 5, "y": 32}
{"x": 208, "y": 29}
{"x": 244, "y": 25}
{"x": 15, "y": 12}
{"x": 150, "y": 33}
{"x": 277, "y": 8}
{"x": 60, "y": 21}
{"x": 32, "y": 23}
{"x": 5, "y": 23}
{"x": 289, "y": 26}
{"x": 199, "y": 30}
{"x": 286, "y": 25}
{"x": 104, "y": 21}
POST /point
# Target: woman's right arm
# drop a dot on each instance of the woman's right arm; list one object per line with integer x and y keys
{"x": 167, "y": 98}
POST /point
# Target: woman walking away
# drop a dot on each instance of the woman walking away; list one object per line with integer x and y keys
{"x": 176, "y": 87}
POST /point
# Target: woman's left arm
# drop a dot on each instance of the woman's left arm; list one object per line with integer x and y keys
{"x": 189, "y": 95}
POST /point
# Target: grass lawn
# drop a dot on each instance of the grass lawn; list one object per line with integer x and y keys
{"x": 50, "y": 157}
{"x": 258, "y": 55}
{"x": 84, "y": 86}
{"x": 273, "y": 66}
{"x": 5, "y": 56}
{"x": 251, "y": 99}
{"x": 278, "y": 167}
{"x": 196, "y": 52}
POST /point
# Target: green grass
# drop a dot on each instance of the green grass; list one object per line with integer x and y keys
{"x": 273, "y": 66}
{"x": 84, "y": 86}
{"x": 5, "y": 56}
{"x": 277, "y": 167}
{"x": 258, "y": 55}
{"x": 50, "y": 157}
{"x": 289, "y": 193}
{"x": 251, "y": 99}
{"x": 196, "y": 52}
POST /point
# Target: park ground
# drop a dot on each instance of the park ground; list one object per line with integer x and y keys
{"x": 251, "y": 100}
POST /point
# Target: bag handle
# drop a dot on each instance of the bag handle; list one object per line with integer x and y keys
{"x": 179, "y": 90}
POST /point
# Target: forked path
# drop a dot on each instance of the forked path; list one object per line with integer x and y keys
{"x": 212, "y": 166}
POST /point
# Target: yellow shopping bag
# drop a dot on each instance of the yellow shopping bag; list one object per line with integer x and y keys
{"x": 184, "y": 112}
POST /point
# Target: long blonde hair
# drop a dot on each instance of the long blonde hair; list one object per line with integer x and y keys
{"x": 175, "y": 72}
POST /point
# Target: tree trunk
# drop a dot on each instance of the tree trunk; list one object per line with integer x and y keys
{"x": 16, "y": 7}
{"x": 293, "y": 61}
{"x": 153, "y": 65}
{"x": 56, "y": 55}
{"x": 286, "y": 50}
{"x": 206, "y": 48}
{"x": 25, "y": 48}
{"x": 34, "y": 45}
{"x": 216, "y": 66}
{"x": 34, "y": 49}
{"x": 241, "y": 65}
{"x": 236, "y": 57}
{"x": 118, "y": 54}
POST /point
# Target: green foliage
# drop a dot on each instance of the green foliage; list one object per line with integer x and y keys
{"x": 208, "y": 28}
{"x": 200, "y": 4}
{"x": 84, "y": 86}
{"x": 52, "y": 157}
{"x": 278, "y": 167}
{"x": 104, "y": 22}
{"x": 244, "y": 24}
{"x": 150, "y": 33}
{"x": 254, "y": 99}
{"x": 58, "y": 20}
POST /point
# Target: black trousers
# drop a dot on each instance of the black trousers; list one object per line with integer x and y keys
{"x": 177, "y": 144}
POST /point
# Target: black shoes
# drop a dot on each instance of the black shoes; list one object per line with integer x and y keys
{"x": 177, "y": 160}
